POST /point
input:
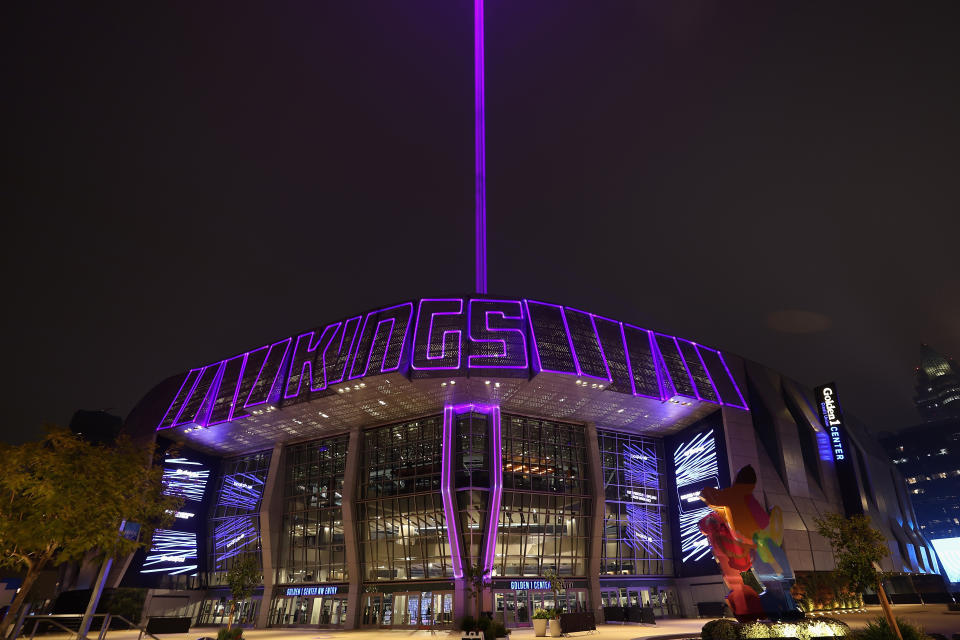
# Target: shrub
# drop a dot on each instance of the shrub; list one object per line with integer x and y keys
{"x": 542, "y": 614}
{"x": 468, "y": 623}
{"x": 126, "y": 602}
{"x": 824, "y": 628}
{"x": 878, "y": 629}
{"x": 230, "y": 634}
{"x": 484, "y": 624}
{"x": 721, "y": 629}
{"x": 498, "y": 630}
{"x": 803, "y": 629}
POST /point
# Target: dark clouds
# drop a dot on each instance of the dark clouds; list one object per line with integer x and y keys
{"x": 185, "y": 181}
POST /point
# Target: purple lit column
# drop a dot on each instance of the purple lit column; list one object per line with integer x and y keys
{"x": 446, "y": 492}
{"x": 496, "y": 492}
{"x": 448, "y": 489}
{"x": 480, "y": 149}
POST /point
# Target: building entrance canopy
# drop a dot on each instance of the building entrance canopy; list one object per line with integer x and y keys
{"x": 415, "y": 357}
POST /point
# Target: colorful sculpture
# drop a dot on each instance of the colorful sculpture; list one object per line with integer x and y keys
{"x": 747, "y": 543}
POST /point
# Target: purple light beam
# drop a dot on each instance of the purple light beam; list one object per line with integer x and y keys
{"x": 496, "y": 493}
{"x": 446, "y": 491}
{"x": 480, "y": 145}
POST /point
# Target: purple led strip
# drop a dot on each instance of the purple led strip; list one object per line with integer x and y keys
{"x": 480, "y": 146}
{"x": 573, "y": 349}
{"x": 596, "y": 334}
{"x": 189, "y": 396}
{"x": 736, "y": 387}
{"x": 496, "y": 492}
{"x": 373, "y": 341}
{"x": 668, "y": 390}
{"x": 343, "y": 336}
{"x": 443, "y": 338}
{"x": 536, "y": 347}
{"x": 653, "y": 354}
{"x": 686, "y": 367}
{"x": 626, "y": 354}
{"x": 177, "y": 397}
{"x": 236, "y": 389}
{"x": 486, "y": 318}
{"x": 716, "y": 390}
{"x": 467, "y": 407}
{"x": 509, "y": 352}
{"x": 496, "y": 467}
{"x": 276, "y": 377}
{"x": 313, "y": 343}
{"x": 204, "y": 406}
{"x": 446, "y": 484}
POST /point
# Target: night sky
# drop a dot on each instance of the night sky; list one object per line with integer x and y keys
{"x": 183, "y": 181}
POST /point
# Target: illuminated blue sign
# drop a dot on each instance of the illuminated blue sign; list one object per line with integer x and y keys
{"x": 311, "y": 591}
{"x": 832, "y": 418}
{"x": 530, "y": 585}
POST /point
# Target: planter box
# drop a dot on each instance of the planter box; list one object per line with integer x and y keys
{"x": 168, "y": 624}
{"x": 579, "y": 621}
{"x": 540, "y": 627}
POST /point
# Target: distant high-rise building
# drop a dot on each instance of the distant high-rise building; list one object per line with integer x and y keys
{"x": 938, "y": 386}
{"x": 928, "y": 456}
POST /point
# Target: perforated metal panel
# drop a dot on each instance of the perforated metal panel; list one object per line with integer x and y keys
{"x": 410, "y": 359}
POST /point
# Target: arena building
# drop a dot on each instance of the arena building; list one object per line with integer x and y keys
{"x": 372, "y": 463}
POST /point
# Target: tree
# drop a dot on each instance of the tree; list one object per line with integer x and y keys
{"x": 61, "y": 497}
{"x": 556, "y": 585}
{"x": 856, "y": 547}
{"x": 475, "y": 575}
{"x": 242, "y": 577}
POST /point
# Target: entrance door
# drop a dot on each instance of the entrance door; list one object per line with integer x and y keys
{"x": 514, "y": 607}
{"x": 611, "y": 598}
{"x": 407, "y": 604}
{"x": 664, "y": 602}
{"x": 574, "y": 600}
{"x": 338, "y": 610}
{"x": 372, "y": 609}
{"x": 442, "y": 608}
{"x": 505, "y": 608}
{"x": 540, "y": 599}
{"x": 517, "y": 607}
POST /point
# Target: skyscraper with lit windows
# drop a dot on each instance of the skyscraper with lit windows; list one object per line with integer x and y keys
{"x": 938, "y": 385}
{"x": 928, "y": 456}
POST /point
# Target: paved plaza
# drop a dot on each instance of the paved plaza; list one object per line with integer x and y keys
{"x": 933, "y": 618}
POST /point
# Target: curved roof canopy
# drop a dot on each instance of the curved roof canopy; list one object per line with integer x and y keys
{"x": 412, "y": 359}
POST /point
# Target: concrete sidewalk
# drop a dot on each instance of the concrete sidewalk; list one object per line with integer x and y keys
{"x": 933, "y": 618}
{"x": 675, "y": 627}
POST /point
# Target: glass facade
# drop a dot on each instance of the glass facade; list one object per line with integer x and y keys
{"x": 546, "y": 507}
{"x": 235, "y": 522}
{"x": 472, "y": 480}
{"x": 405, "y": 568}
{"x": 401, "y": 525}
{"x": 312, "y": 545}
{"x": 634, "y": 528}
